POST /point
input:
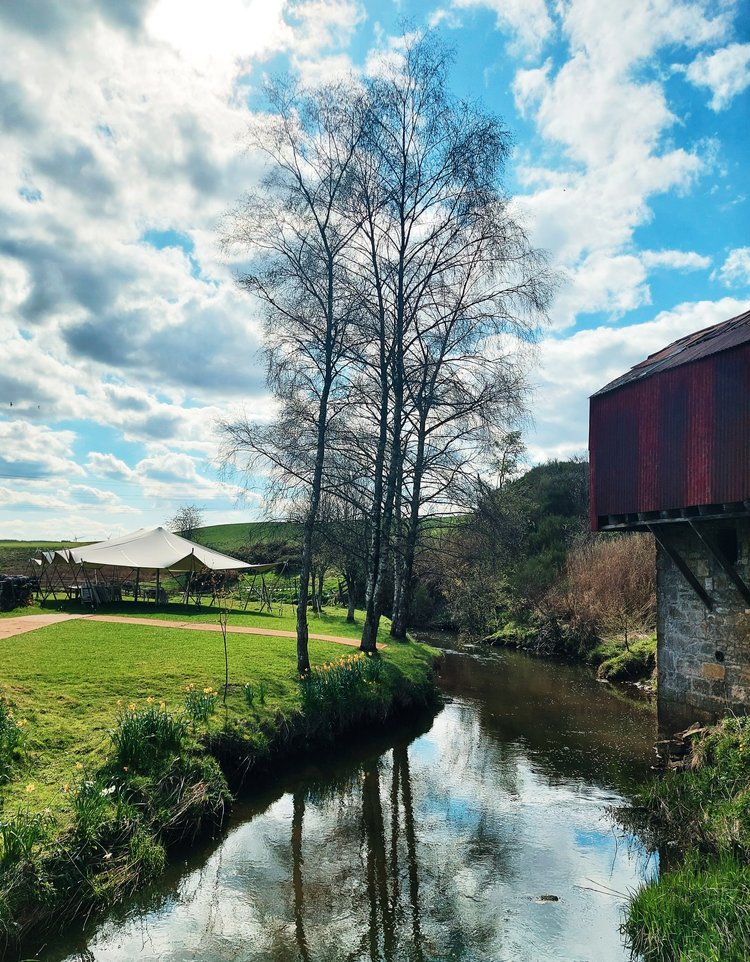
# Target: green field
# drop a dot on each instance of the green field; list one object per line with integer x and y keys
{"x": 233, "y": 537}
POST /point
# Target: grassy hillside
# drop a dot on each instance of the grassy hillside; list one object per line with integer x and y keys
{"x": 233, "y": 537}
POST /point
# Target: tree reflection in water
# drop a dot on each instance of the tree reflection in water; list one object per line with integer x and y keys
{"x": 426, "y": 848}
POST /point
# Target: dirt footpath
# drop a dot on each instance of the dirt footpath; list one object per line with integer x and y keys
{"x": 9, "y": 627}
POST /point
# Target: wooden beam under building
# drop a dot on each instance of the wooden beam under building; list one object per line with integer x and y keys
{"x": 682, "y": 566}
{"x": 721, "y": 559}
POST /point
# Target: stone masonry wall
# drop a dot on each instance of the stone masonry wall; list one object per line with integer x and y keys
{"x": 703, "y": 656}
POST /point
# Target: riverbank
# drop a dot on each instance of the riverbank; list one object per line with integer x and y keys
{"x": 614, "y": 657}
{"x": 121, "y": 746}
{"x": 698, "y": 816}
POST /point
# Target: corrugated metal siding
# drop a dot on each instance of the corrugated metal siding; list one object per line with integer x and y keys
{"x": 678, "y": 438}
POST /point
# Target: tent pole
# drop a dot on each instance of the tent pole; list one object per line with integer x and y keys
{"x": 137, "y": 583}
{"x": 156, "y": 596}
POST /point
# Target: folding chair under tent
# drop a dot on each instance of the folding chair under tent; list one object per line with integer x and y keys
{"x": 153, "y": 549}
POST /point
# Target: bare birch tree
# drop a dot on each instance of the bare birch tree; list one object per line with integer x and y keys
{"x": 295, "y": 233}
{"x": 453, "y": 287}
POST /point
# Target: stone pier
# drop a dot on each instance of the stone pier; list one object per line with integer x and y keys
{"x": 703, "y": 653}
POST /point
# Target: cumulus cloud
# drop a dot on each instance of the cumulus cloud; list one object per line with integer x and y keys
{"x": 675, "y": 260}
{"x": 120, "y": 125}
{"x": 29, "y": 451}
{"x": 528, "y": 21}
{"x": 726, "y": 73}
{"x": 735, "y": 271}
{"x": 607, "y": 125}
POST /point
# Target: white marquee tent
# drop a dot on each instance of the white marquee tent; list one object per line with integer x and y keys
{"x": 153, "y": 549}
{"x": 157, "y": 549}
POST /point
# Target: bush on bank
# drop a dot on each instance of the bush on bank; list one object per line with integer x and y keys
{"x": 617, "y": 662}
{"x": 698, "y": 911}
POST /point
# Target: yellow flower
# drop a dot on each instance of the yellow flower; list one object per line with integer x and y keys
{"x": 79, "y": 766}
{"x": 30, "y": 787}
{"x": 208, "y": 691}
{"x": 119, "y": 702}
{"x": 150, "y": 699}
{"x": 131, "y": 706}
{"x": 162, "y": 705}
{"x": 22, "y": 722}
{"x": 66, "y": 787}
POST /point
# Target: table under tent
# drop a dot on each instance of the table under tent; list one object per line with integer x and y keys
{"x": 142, "y": 564}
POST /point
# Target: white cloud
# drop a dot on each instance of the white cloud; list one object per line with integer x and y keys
{"x": 528, "y": 20}
{"x": 735, "y": 271}
{"x": 605, "y": 126}
{"x": 36, "y": 451}
{"x": 726, "y": 73}
{"x": 323, "y": 30}
{"x": 222, "y": 32}
{"x": 112, "y": 128}
{"x": 106, "y": 465}
{"x": 675, "y": 260}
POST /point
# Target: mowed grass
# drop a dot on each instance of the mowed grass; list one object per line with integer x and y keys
{"x": 283, "y": 618}
{"x": 66, "y": 680}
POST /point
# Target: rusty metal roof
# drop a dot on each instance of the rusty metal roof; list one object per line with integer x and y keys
{"x": 693, "y": 347}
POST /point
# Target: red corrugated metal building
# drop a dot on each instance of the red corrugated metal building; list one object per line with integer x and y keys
{"x": 671, "y": 438}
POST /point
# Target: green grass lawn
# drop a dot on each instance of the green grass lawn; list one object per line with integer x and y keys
{"x": 329, "y": 622}
{"x": 66, "y": 680}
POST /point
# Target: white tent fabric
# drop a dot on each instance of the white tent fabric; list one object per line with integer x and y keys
{"x": 157, "y": 549}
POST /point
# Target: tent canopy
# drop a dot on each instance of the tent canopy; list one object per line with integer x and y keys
{"x": 157, "y": 549}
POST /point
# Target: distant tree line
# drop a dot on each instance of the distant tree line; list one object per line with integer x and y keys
{"x": 401, "y": 297}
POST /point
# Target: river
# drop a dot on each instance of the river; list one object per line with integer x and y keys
{"x": 486, "y": 837}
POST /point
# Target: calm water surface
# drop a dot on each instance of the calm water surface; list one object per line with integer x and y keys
{"x": 436, "y": 845}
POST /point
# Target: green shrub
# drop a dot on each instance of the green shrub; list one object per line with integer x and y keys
{"x": 618, "y": 663}
{"x": 147, "y": 857}
{"x": 21, "y": 833}
{"x": 332, "y": 695}
{"x": 144, "y": 736}
{"x": 200, "y": 703}
{"x": 11, "y": 738}
{"x": 249, "y": 693}
{"x": 92, "y": 807}
{"x": 699, "y": 912}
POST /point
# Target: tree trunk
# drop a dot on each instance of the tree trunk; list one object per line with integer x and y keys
{"x": 315, "y": 596}
{"x": 401, "y": 611}
{"x": 298, "y": 814}
{"x": 303, "y": 657}
{"x": 303, "y": 654}
{"x": 374, "y": 607}
{"x": 321, "y": 580}
{"x": 372, "y": 618}
{"x": 349, "y": 582}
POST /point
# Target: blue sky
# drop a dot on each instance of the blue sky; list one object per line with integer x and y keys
{"x": 121, "y": 122}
